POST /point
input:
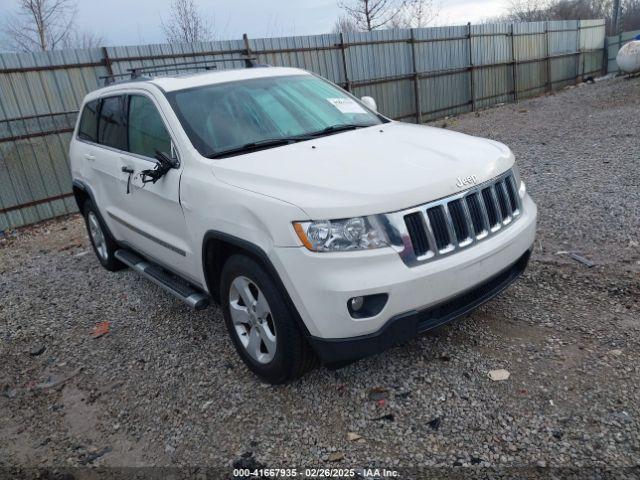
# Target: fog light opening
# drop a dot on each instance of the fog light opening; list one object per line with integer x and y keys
{"x": 356, "y": 303}
{"x": 367, "y": 305}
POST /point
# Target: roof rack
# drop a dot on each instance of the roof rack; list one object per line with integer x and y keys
{"x": 143, "y": 73}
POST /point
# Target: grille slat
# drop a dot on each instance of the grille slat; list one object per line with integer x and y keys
{"x": 439, "y": 227}
{"x": 459, "y": 221}
{"x": 491, "y": 205}
{"x": 501, "y": 193}
{"x": 417, "y": 233}
{"x": 513, "y": 195}
{"x": 475, "y": 212}
{"x": 447, "y": 225}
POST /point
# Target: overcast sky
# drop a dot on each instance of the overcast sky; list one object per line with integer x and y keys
{"x": 130, "y": 22}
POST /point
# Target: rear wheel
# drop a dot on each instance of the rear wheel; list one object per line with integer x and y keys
{"x": 102, "y": 242}
{"x": 263, "y": 331}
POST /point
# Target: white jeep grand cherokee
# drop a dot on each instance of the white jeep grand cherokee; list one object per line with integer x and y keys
{"x": 323, "y": 229}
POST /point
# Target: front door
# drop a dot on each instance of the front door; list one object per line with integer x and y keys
{"x": 151, "y": 213}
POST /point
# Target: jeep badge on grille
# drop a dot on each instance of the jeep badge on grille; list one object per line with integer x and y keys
{"x": 463, "y": 182}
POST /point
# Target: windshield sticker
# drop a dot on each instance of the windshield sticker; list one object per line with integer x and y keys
{"x": 346, "y": 105}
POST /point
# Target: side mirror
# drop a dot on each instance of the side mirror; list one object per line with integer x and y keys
{"x": 165, "y": 163}
{"x": 370, "y": 102}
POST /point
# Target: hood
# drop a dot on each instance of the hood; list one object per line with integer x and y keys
{"x": 372, "y": 170}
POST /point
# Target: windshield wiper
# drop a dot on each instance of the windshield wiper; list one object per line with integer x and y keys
{"x": 277, "y": 142}
{"x": 341, "y": 127}
{"x": 257, "y": 145}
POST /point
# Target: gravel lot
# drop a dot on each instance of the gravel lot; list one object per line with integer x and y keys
{"x": 165, "y": 387}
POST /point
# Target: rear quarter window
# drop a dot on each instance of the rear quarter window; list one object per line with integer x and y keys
{"x": 88, "y": 129}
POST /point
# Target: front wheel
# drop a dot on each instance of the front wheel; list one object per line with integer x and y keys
{"x": 263, "y": 330}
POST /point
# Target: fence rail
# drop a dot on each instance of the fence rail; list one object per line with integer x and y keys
{"x": 415, "y": 74}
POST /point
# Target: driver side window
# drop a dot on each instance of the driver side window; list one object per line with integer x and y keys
{"x": 147, "y": 132}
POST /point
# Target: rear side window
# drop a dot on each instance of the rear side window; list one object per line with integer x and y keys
{"x": 112, "y": 130}
{"x": 89, "y": 122}
{"x": 147, "y": 132}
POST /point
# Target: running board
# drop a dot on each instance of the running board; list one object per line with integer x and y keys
{"x": 179, "y": 289}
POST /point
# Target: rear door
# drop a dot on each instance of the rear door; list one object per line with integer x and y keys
{"x": 150, "y": 213}
{"x": 112, "y": 141}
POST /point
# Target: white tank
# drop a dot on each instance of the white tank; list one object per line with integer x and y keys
{"x": 628, "y": 57}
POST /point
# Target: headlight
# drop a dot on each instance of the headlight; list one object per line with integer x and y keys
{"x": 358, "y": 233}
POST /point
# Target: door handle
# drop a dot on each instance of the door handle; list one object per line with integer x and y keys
{"x": 89, "y": 157}
{"x": 130, "y": 171}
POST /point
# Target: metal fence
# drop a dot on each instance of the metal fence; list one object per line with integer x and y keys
{"x": 615, "y": 43}
{"x": 415, "y": 75}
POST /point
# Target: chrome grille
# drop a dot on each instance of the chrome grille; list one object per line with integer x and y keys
{"x": 448, "y": 225}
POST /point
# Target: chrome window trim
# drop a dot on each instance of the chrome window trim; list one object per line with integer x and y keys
{"x": 400, "y": 239}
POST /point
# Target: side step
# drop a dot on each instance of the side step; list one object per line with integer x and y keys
{"x": 172, "y": 284}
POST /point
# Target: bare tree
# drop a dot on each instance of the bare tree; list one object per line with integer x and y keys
{"x": 83, "y": 39}
{"x": 527, "y": 10}
{"x": 533, "y": 10}
{"x": 371, "y": 14}
{"x": 344, "y": 24}
{"x": 186, "y": 24}
{"x": 416, "y": 14}
{"x": 631, "y": 15}
{"x": 40, "y": 25}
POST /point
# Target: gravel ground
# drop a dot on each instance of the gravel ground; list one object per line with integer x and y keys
{"x": 165, "y": 388}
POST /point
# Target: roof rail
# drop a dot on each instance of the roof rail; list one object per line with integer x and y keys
{"x": 143, "y": 73}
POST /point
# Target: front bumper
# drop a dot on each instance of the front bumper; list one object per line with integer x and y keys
{"x": 320, "y": 284}
{"x": 335, "y": 353}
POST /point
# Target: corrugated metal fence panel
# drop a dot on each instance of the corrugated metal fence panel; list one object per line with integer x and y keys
{"x": 377, "y": 60}
{"x": 320, "y": 54}
{"x": 530, "y": 51}
{"x": 563, "y": 39}
{"x": 447, "y": 50}
{"x": 614, "y": 44}
{"x": 41, "y": 93}
{"x": 592, "y": 34}
{"x": 491, "y": 45}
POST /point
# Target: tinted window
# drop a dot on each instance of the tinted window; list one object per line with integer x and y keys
{"x": 146, "y": 129}
{"x": 89, "y": 122}
{"x": 111, "y": 129}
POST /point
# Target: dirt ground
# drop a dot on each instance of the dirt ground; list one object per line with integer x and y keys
{"x": 165, "y": 388}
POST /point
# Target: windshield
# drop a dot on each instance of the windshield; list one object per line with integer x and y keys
{"x": 270, "y": 111}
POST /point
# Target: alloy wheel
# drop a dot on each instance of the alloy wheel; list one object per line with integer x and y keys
{"x": 252, "y": 319}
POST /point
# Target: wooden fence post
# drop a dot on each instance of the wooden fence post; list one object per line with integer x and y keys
{"x": 416, "y": 79}
{"x": 471, "y": 78}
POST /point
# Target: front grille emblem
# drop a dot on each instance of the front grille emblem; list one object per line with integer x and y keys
{"x": 463, "y": 182}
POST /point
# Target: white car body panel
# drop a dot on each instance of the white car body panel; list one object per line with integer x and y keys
{"x": 371, "y": 170}
{"x": 256, "y": 197}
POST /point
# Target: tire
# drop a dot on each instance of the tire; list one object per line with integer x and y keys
{"x": 104, "y": 246}
{"x": 282, "y": 352}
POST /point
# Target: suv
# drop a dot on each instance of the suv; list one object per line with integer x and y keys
{"x": 323, "y": 229}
